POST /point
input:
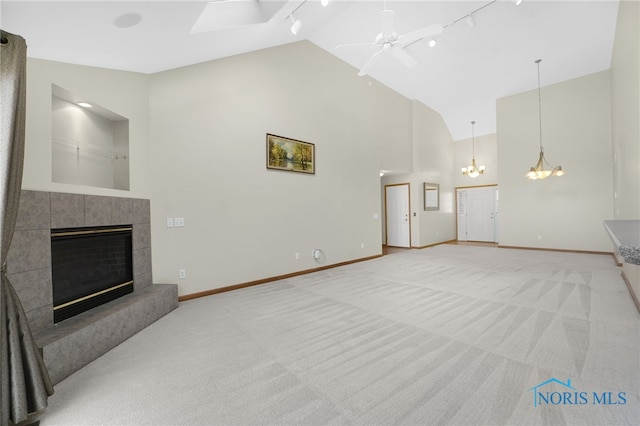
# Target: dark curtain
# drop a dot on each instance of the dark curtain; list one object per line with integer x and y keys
{"x": 25, "y": 383}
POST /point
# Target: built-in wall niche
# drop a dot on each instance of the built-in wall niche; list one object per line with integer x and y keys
{"x": 90, "y": 144}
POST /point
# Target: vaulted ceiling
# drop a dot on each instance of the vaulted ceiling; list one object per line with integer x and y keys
{"x": 472, "y": 64}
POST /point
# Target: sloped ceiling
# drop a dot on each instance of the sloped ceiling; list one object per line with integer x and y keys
{"x": 461, "y": 77}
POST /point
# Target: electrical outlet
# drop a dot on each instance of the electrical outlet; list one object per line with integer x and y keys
{"x": 179, "y": 221}
{"x": 182, "y": 274}
{"x": 169, "y": 222}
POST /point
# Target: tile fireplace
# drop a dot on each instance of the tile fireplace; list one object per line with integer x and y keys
{"x": 70, "y": 342}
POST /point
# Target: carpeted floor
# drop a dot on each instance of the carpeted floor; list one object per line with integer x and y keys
{"x": 455, "y": 335}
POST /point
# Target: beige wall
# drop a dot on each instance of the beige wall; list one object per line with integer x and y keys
{"x": 197, "y": 146}
{"x": 433, "y": 162}
{"x": 244, "y": 222}
{"x": 558, "y": 212}
{"x": 124, "y": 93}
{"x": 625, "y": 96}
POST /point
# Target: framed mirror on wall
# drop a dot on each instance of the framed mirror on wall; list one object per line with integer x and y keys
{"x": 431, "y": 196}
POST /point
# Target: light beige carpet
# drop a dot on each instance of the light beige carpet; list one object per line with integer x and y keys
{"x": 446, "y": 335}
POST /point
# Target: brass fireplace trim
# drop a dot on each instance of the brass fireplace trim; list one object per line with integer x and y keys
{"x": 89, "y": 231}
{"x": 73, "y": 302}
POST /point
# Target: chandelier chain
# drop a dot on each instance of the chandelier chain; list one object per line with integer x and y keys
{"x": 539, "y": 104}
{"x": 473, "y": 141}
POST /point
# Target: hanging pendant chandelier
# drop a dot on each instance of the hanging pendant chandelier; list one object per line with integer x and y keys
{"x": 538, "y": 171}
{"x": 473, "y": 170}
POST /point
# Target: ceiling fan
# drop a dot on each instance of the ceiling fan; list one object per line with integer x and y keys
{"x": 389, "y": 42}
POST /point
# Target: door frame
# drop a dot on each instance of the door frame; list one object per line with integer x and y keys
{"x": 473, "y": 187}
{"x": 386, "y": 215}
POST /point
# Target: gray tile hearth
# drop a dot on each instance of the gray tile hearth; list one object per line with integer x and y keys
{"x": 74, "y": 343}
{"x": 71, "y": 344}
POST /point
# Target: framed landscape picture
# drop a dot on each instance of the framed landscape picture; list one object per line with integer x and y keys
{"x": 290, "y": 155}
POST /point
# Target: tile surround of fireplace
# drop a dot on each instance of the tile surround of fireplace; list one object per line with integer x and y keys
{"x": 29, "y": 268}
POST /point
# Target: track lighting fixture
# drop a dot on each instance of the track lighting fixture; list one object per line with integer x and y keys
{"x": 473, "y": 171}
{"x": 295, "y": 27}
{"x": 538, "y": 171}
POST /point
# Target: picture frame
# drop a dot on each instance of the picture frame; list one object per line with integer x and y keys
{"x": 431, "y": 196}
{"x": 290, "y": 155}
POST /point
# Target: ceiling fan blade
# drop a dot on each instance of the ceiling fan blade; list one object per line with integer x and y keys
{"x": 367, "y": 66}
{"x": 416, "y": 35}
{"x": 406, "y": 59}
{"x": 386, "y": 23}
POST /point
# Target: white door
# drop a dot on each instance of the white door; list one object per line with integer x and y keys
{"x": 477, "y": 214}
{"x": 397, "y": 215}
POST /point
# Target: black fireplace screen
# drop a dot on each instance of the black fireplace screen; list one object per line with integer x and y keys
{"x": 90, "y": 267}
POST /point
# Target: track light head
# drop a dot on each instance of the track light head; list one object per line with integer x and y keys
{"x": 297, "y": 24}
{"x": 470, "y": 22}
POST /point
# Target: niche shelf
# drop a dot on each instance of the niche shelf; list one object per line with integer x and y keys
{"x": 90, "y": 144}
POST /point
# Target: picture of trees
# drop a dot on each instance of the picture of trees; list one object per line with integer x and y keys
{"x": 290, "y": 155}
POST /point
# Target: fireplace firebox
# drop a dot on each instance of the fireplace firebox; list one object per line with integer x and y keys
{"x": 90, "y": 267}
